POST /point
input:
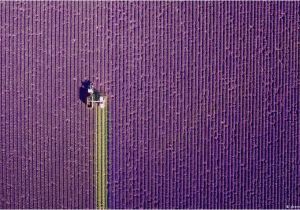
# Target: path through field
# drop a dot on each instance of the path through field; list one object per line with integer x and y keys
{"x": 101, "y": 156}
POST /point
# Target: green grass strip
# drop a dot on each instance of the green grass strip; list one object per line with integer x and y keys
{"x": 101, "y": 157}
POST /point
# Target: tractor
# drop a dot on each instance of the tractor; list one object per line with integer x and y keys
{"x": 94, "y": 97}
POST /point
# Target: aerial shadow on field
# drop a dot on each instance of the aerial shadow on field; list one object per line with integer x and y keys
{"x": 83, "y": 90}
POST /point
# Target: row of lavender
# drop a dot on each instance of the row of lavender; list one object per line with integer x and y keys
{"x": 204, "y": 103}
{"x": 46, "y": 132}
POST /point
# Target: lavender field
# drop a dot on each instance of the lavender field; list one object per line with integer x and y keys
{"x": 204, "y": 101}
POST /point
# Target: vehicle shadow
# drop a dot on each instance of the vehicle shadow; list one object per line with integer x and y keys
{"x": 83, "y": 90}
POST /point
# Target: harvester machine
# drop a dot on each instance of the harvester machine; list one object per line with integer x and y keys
{"x": 94, "y": 97}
